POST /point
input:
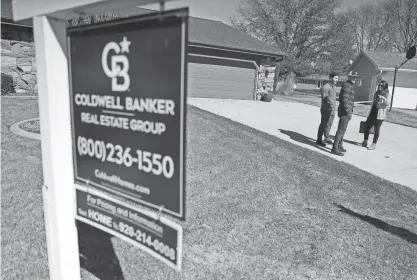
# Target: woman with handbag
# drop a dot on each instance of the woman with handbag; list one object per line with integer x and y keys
{"x": 377, "y": 114}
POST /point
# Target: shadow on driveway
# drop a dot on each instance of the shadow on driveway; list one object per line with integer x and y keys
{"x": 349, "y": 141}
{"x": 312, "y": 142}
{"x": 303, "y": 139}
{"x": 398, "y": 231}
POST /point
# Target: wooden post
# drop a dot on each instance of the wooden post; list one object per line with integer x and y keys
{"x": 55, "y": 125}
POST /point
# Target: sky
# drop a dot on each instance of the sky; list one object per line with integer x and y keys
{"x": 222, "y": 10}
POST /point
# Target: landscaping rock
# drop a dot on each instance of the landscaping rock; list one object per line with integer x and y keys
{"x": 17, "y": 49}
{"x": 26, "y": 44}
{"x": 5, "y": 52}
{"x": 6, "y": 69}
{"x": 7, "y": 60}
{"x": 34, "y": 69}
{"x": 26, "y": 49}
{"x": 26, "y": 68}
{"x": 24, "y": 60}
{"x": 5, "y": 45}
{"x": 22, "y": 85}
{"x": 29, "y": 78}
{"x": 28, "y": 53}
{"x": 15, "y": 74}
{"x": 19, "y": 62}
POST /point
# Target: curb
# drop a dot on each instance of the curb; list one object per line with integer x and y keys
{"x": 17, "y": 130}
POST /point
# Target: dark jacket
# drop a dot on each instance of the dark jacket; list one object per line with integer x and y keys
{"x": 346, "y": 99}
{"x": 328, "y": 97}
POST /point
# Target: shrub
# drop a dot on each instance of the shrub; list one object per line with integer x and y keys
{"x": 287, "y": 87}
{"x": 6, "y": 84}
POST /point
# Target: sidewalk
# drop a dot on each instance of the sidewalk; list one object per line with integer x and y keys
{"x": 395, "y": 158}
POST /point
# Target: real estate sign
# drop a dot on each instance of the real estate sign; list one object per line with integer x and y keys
{"x": 157, "y": 236}
{"x": 128, "y": 97}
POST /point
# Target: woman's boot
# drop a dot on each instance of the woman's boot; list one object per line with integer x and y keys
{"x": 372, "y": 147}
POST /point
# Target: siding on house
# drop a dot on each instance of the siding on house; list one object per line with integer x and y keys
{"x": 367, "y": 71}
{"x": 405, "y": 98}
{"x": 405, "y": 94}
{"x": 214, "y": 73}
{"x": 6, "y": 10}
{"x": 220, "y": 78}
{"x": 403, "y": 79}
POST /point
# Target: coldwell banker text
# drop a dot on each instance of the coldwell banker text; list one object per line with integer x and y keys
{"x": 127, "y": 108}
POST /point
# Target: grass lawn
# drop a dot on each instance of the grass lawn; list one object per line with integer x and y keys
{"x": 311, "y": 97}
{"x": 257, "y": 208}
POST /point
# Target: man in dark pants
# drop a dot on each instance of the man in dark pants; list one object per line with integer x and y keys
{"x": 327, "y": 110}
{"x": 345, "y": 110}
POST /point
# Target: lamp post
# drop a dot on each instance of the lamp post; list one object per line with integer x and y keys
{"x": 411, "y": 52}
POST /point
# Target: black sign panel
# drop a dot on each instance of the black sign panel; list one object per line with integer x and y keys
{"x": 128, "y": 96}
{"x": 159, "y": 237}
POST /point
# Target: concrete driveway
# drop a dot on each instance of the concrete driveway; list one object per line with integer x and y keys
{"x": 395, "y": 158}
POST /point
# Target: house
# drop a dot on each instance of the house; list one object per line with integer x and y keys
{"x": 316, "y": 81}
{"x": 374, "y": 66}
{"x": 223, "y": 62}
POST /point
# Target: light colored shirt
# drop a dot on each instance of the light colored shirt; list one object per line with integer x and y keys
{"x": 328, "y": 97}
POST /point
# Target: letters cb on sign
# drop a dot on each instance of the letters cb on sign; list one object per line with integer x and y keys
{"x": 128, "y": 85}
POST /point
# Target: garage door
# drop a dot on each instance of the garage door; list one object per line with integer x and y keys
{"x": 220, "y": 78}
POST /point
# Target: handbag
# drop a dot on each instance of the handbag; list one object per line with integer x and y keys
{"x": 363, "y": 127}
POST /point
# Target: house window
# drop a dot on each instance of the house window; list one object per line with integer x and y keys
{"x": 16, "y": 32}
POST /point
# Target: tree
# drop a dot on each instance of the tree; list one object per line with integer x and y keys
{"x": 390, "y": 25}
{"x": 307, "y": 30}
{"x": 372, "y": 27}
{"x": 404, "y": 22}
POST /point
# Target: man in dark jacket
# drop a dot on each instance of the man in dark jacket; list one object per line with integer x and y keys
{"x": 345, "y": 111}
{"x": 327, "y": 110}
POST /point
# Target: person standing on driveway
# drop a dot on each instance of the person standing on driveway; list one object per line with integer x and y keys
{"x": 327, "y": 110}
{"x": 345, "y": 111}
{"x": 377, "y": 114}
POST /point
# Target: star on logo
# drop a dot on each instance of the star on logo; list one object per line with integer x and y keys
{"x": 125, "y": 45}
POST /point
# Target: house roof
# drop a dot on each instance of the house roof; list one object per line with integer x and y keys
{"x": 219, "y": 34}
{"x": 202, "y": 32}
{"x": 390, "y": 60}
{"x": 205, "y": 32}
{"x": 7, "y": 14}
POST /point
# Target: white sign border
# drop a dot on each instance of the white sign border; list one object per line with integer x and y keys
{"x": 152, "y": 215}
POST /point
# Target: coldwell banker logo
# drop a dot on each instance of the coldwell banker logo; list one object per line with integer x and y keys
{"x": 119, "y": 64}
